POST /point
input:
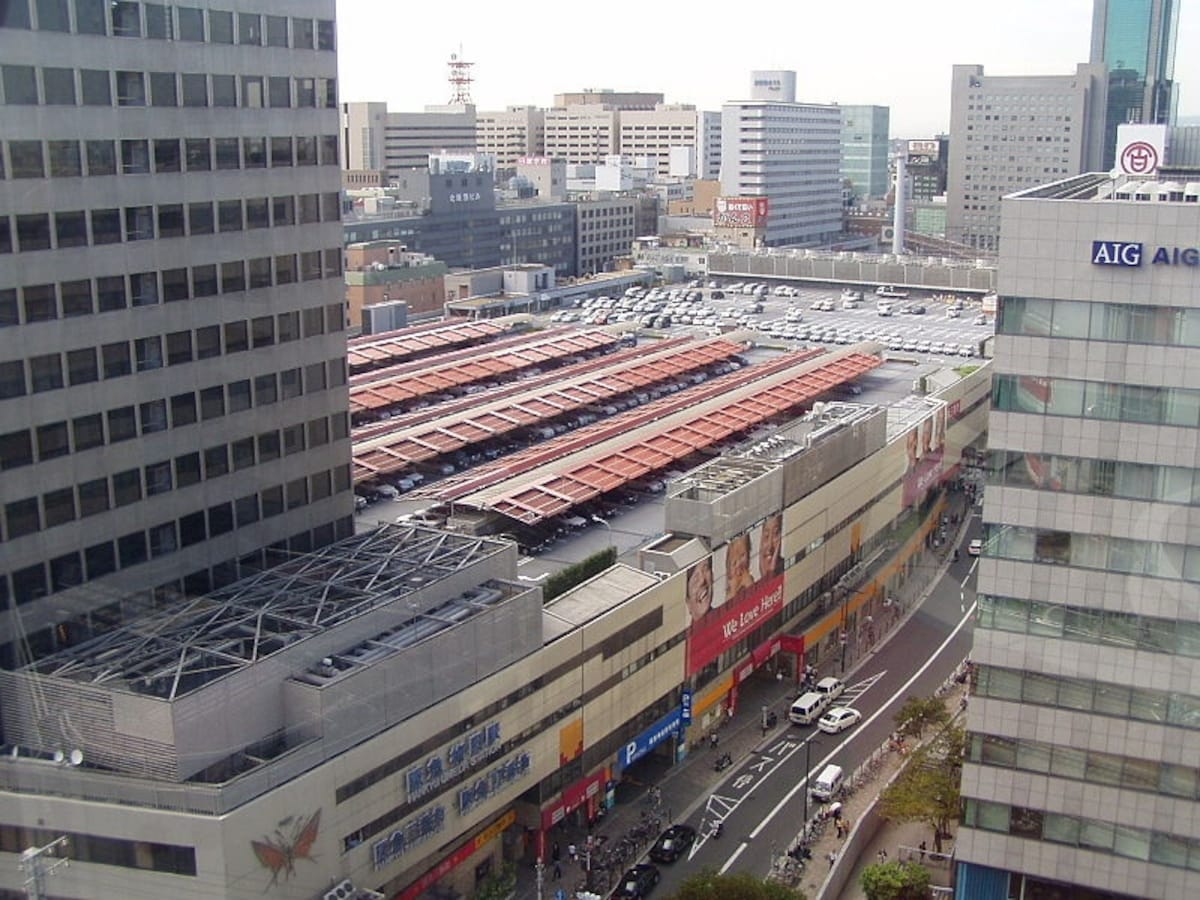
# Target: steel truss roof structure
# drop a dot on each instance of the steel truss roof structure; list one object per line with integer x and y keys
{"x": 586, "y": 476}
{"x": 170, "y": 652}
{"x": 387, "y": 388}
{"x": 568, "y": 390}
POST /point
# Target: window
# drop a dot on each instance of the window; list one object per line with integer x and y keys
{"x": 233, "y": 277}
{"x": 153, "y": 416}
{"x": 187, "y": 469}
{"x": 96, "y": 87}
{"x": 158, "y": 22}
{"x": 285, "y": 269}
{"x": 65, "y": 159}
{"x": 163, "y": 540}
{"x": 191, "y": 23}
{"x": 195, "y": 88}
{"x": 216, "y": 461}
{"x": 297, "y": 493}
{"x": 224, "y": 90}
{"x": 59, "y": 507}
{"x": 52, "y": 15}
{"x": 306, "y": 151}
{"x": 290, "y": 383}
{"x": 20, "y": 85}
{"x": 302, "y": 34}
{"x": 288, "y": 326}
{"x": 212, "y": 402}
{"x": 329, "y": 150}
{"x": 139, "y": 223}
{"x": 158, "y": 478}
{"x": 22, "y": 517}
{"x": 126, "y": 18}
{"x": 93, "y": 497}
{"x": 127, "y": 487}
{"x": 327, "y": 93}
{"x": 204, "y": 282}
{"x": 40, "y": 302}
{"x": 272, "y": 501}
{"x": 58, "y": 86}
{"x": 197, "y": 154}
{"x": 45, "y": 372}
{"x": 318, "y": 432}
{"x": 243, "y": 454}
{"x": 254, "y": 152}
{"x": 260, "y": 272}
{"x": 132, "y": 549}
{"x": 220, "y": 26}
{"x": 26, "y": 159}
{"x": 179, "y": 345}
{"x": 310, "y": 265}
{"x": 293, "y": 440}
{"x": 100, "y": 559}
{"x": 331, "y": 207}
{"x": 135, "y": 157}
{"x": 12, "y": 379}
{"x": 262, "y": 331}
{"x": 16, "y": 449}
{"x": 281, "y": 151}
{"x": 116, "y": 359}
{"x": 229, "y": 215}
{"x": 208, "y": 341}
{"x": 52, "y": 441}
{"x": 279, "y": 91}
{"x": 228, "y": 155}
{"x": 106, "y": 226}
{"x": 314, "y": 378}
{"x": 131, "y": 89}
{"x": 148, "y": 352}
{"x": 266, "y": 390}
{"x": 10, "y": 313}
{"x": 257, "y": 213}
{"x": 167, "y": 158}
{"x": 101, "y": 158}
{"x": 70, "y": 229}
{"x": 268, "y": 446}
{"x": 250, "y": 29}
{"x": 310, "y": 210}
{"x": 76, "y": 296}
{"x": 283, "y": 212}
{"x": 88, "y": 431}
{"x": 314, "y": 322}
{"x": 82, "y": 367}
{"x": 246, "y": 510}
{"x": 143, "y": 288}
{"x": 200, "y": 218}
{"x": 170, "y": 221}
{"x": 277, "y": 31}
{"x": 253, "y": 92}
{"x": 306, "y": 92}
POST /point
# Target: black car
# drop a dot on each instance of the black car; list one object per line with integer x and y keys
{"x": 638, "y": 881}
{"x": 673, "y": 843}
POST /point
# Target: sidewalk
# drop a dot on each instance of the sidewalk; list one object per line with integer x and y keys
{"x": 687, "y": 785}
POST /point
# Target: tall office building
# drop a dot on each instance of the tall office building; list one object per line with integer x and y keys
{"x": 172, "y": 352}
{"x": 865, "y": 150}
{"x": 511, "y": 134}
{"x": 1011, "y": 132}
{"x": 374, "y": 139}
{"x": 787, "y": 152}
{"x": 1136, "y": 40}
{"x": 1083, "y": 770}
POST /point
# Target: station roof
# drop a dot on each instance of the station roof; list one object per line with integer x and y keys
{"x": 565, "y": 391}
{"x": 408, "y": 343}
{"x": 674, "y": 431}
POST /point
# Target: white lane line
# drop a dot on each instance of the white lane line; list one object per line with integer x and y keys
{"x": 802, "y": 783}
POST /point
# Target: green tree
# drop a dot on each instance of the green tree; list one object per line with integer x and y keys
{"x": 895, "y": 881}
{"x": 918, "y": 713}
{"x": 708, "y": 884}
{"x": 926, "y": 790}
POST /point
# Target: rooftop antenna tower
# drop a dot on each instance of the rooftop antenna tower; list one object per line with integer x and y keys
{"x": 460, "y": 78}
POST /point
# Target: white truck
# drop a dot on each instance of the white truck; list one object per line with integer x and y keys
{"x": 887, "y": 290}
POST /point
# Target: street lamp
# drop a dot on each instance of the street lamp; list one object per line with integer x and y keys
{"x": 596, "y": 518}
{"x": 807, "y": 772}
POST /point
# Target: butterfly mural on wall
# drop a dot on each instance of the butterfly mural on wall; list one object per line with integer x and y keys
{"x": 293, "y": 839}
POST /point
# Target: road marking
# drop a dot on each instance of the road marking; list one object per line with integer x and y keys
{"x": 802, "y": 784}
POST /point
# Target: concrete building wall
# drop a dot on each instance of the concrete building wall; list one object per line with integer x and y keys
{"x": 582, "y": 133}
{"x": 511, "y": 134}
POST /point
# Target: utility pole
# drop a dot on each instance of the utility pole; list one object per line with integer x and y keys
{"x": 34, "y": 864}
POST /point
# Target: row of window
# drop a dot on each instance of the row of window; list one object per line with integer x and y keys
{"x": 1084, "y": 695}
{"x": 70, "y": 228}
{"x": 46, "y": 442}
{"x": 1085, "y": 765}
{"x": 89, "y": 848}
{"x": 57, "y": 86}
{"x": 52, "y": 371}
{"x": 74, "y": 568}
{"x": 87, "y": 296}
{"x": 1107, "y": 400}
{"x": 1087, "y": 834}
{"x": 161, "y": 21}
{"x": 1108, "y": 628}
{"x": 1122, "y": 323}
{"x": 1158, "y": 559}
{"x": 58, "y": 507}
{"x": 1097, "y": 477}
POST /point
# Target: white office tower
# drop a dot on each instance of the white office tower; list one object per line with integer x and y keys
{"x": 1084, "y": 728}
{"x": 787, "y": 152}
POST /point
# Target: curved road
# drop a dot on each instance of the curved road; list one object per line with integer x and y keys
{"x": 761, "y": 800}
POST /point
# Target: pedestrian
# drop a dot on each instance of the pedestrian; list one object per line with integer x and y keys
{"x": 557, "y": 870}
{"x": 555, "y": 852}
{"x": 922, "y": 848}
{"x": 882, "y": 856}
{"x": 573, "y": 852}
{"x": 832, "y": 857}
{"x": 713, "y": 740}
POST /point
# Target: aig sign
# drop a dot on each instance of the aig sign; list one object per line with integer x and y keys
{"x": 1116, "y": 253}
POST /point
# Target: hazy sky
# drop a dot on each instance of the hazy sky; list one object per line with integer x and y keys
{"x": 895, "y": 54}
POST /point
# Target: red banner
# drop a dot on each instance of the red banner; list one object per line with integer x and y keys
{"x": 573, "y": 796}
{"x": 458, "y": 857}
{"x": 727, "y": 624}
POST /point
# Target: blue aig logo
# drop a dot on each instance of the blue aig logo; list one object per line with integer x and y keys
{"x": 1116, "y": 253}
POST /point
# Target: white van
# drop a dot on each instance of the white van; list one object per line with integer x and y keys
{"x": 831, "y": 687}
{"x": 826, "y": 786}
{"x": 808, "y": 708}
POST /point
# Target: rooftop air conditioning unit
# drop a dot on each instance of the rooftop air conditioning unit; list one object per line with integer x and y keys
{"x": 344, "y": 890}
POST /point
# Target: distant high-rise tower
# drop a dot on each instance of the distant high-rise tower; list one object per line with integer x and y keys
{"x": 1136, "y": 40}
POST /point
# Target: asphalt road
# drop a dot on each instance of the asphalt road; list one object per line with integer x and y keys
{"x": 761, "y": 801}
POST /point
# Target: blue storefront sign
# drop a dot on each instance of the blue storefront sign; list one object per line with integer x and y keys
{"x": 685, "y": 707}
{"x": 667, "y": 726}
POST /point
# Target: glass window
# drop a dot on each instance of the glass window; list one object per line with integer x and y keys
{"x": 228, "y": 155}
{"x": 179, "y": 346}
{"x": 233, "y": 277}
{"x": 117, "y": 359}
{"x": 76, "y": 297}
{"x": 93, "y": 497}
{"x": 246, "y": 510}
{"x": 279, "y": 91}
{"x": 285, "y": 269}
{"x": 82, "y": 366}
{"x": 216, "y": 461}
{"x": 139, "y": 223}
{"x": 33, "y": 232}
{"x": 12, "y": 379}
{"x": 22, "y": 517}
{"x": 290, "y": 383}
{"x": 306, "y": 151}
{"x": 131, "y": 89}
{"x": 52, "y": 15}
{"x": 1096, "y": 835}
{"x": 15, "y": 14}
{"x": 303, "y": 34}
{"x": 253, "y": 92}
{"x": 26, "y": 160}
{"x": 187, "y": 468}
{"x": 327, "y": 93}
{"x": 59, "y": 86}
{"x": 283, "y": 212}
{"x": 195, "y": 89}
{"x": 127, "y": 487}
{"x": 257, "y": 212}
{"x": 329, "y": 150}
{"x": 101, "y": 158}
{"x": 158, "y": 478}
{"x": 281, "y": 151}
{"x": 59, "y": 507}
{"x": 272, "y": 501}
{"x": 220, "y": 26}
{"x": 126, "y": 18}
{"x": 132, "y": 549}
{"x": 170, "y": 222}
{"x": 1112, "y": 699}
{"x": 40, "y": 302}
{"x": 310, "y": 265}
{"x": 306, "y": 92}
{"x": 268, "y": 446}
{"x": 88, "y": 432}
{"x": 45, "y": 372}
{"x": 52, "y": 441}
{"x": 191, "y": 23}
{"x": 212, "y": 402}
{"x": 198, "y": 154}
{"x": 153, "y": 416}
{"x": 96, "y": 89}
{"x": 262, "y": 331}
{"x": 277, "y": 31}
{"x": 148, "y": 352}
{"x": 324, "y": 34}
{"x": 158, "y": 22}
{"x": 310, "y": 208}
{"x": 163, "y": 539}
{"x": 250, "y": 29}
{"x": 1060, "y": 829}
{"x": 10, "y": 312}
{"x": 204, "y": 284}
{"x": 288, "y": 326}
{"x": 200, "y": 218}
{"x": 239, "y": 396}
{"x": 229, "y": 215}
{"x": 243, "y": 454}
{"x": 260, "y": 272}
{"x": 224, "y": 90}
{"x": 236, "y": 337}
{"x": 66, "y": 161}
{"x": 20, "y": 85}
{"x": 135, "y": 157}
{"x": 163, "y": 91}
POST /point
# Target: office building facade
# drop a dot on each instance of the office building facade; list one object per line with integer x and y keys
{"x": 787, "y": 152}
{"x": 374, "y": 139}
{"x": 1135, "y": 39}
{"x": 865, "y": 151}
{"x": 1081, "y": 776}
{"x": 172, "y": 357}
{"x": 1012, "y": 132}
{"x": 511, "y": 134}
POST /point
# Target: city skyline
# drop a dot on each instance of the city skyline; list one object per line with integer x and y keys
{"x": 692, "y": 68}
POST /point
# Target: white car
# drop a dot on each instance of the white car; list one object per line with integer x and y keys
{"x": 839, "y": 719}
{"x": 975, "y": 547}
